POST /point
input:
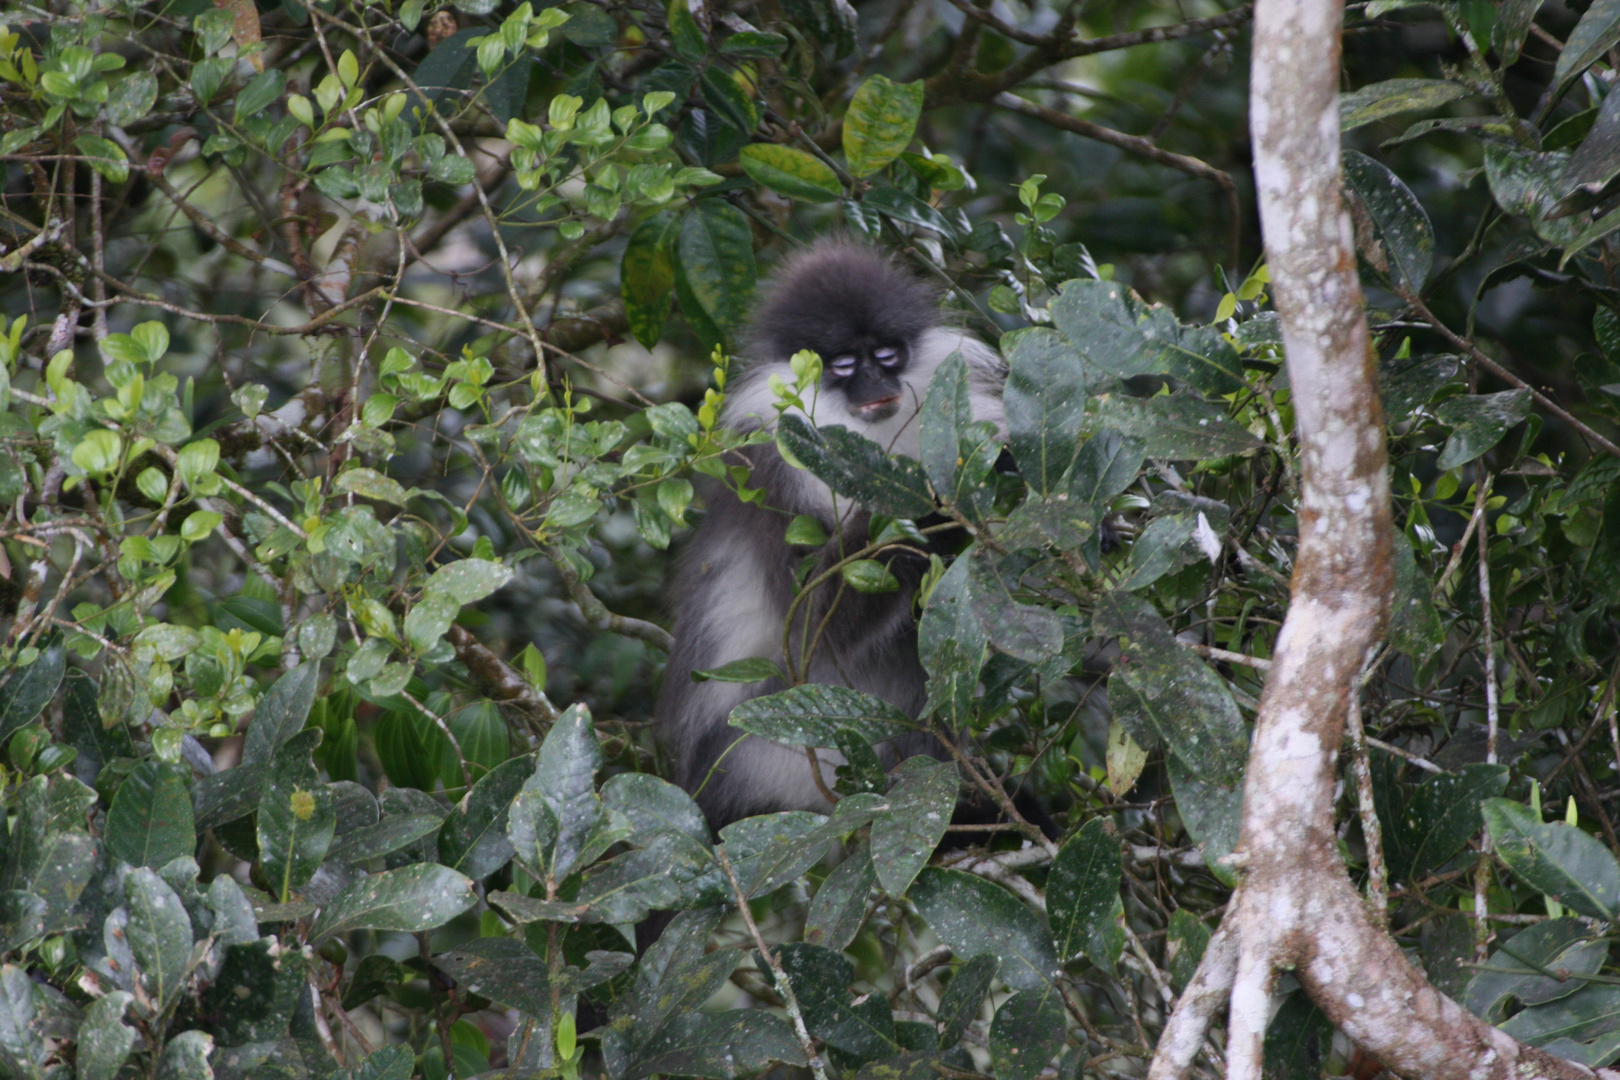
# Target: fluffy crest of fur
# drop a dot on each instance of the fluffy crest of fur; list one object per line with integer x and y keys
{"x": 835, "y": 293}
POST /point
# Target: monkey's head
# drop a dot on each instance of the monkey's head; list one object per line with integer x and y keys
{"x": 859, "y": 311}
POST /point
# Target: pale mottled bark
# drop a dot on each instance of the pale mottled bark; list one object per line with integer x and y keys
{"x": 1296, "y": 908}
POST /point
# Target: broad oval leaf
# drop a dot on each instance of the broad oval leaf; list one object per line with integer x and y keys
{"x": 409, "y": 900}
{"x": 972, "y": 916}
{"x": 296, "y": 819}
{"x": 905, "y": 835}
{"x": 1478, "y": 422}
{"x": 812, "y": 714}
{"x": 150, "y": 820}
{"x": 879, "y": 124}
{"x": 715, "y": 272}
{"x": 1401, "y": 230}
{"x": 647, "y": 274}
{"x": 1559, "y": 861}
{"x": 1026, "y": 1033}
{"x": 791, "y": 172}
{"x": 1082, "y": 895}
{"x": 1392, "y": 97}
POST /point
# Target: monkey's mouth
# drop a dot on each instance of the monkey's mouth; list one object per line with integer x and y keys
{"x": 874, "y": 411}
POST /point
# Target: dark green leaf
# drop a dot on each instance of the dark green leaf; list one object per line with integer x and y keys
{"x": 1184, "y": 947}
{"x": 1082, "y": 896}
{"x": 647, "y": 275}
{"x": 1181, "y": 427}
{"x": 715, "y": 272}
{"x": 1596, "y": 33}
{"x": 904, "y": 207}
{"x": 1383, "y": 100}
{"x": 880, "y": 122}
{"x": 561, "y": 790}
{"x": 104, "y": 1039}
{"x": 150, "y": 820}
{"x": 855, "y": 466}
{"x": 1046, "y": 405}
{"x": 651, "y": 804}
{"x": 750, "y": 669}
{"x": 1559, "y": 861}
{"x": 684, "y": 31}
{"x": 728, "y": 100}
{"x": 756, "y": 43}
{"x": 159, "y": 934}
{"x": 672, "y": 870}
{"x": 1590, "y": 1012}
{"x": 972, "y": 915}
{"x": 1027, "y": 1032}
{"x": 1298, "y": 1040}
{"x": 1515, "y": 971}
{"x": 905, "y": 835}
{"x": 959, "y": 1006}
{"x": 22, "y": 919}
{"x": 839, "y": 907}
{"x": 1478, "y": 422}
{"x": 1426, "y": 826}
{"x": 473, "y": 839}
{"x": 503, "y": 969}
{"x": 388, "y": 1063}
{"x": 281, "y": 712}
{"x": 791, "y": 172}
{"x": 1400, "y": 227}
{"x": 812, "y": 714}
{"x": 410, "y": 899}
{"x": 296, "y": 820}
{"x": 393, "y": 833}
{"x": 25, "y": 691}
{"x": 739, "y": 1042}
{"x": 185, "y": 1057}
{"x": 260, "y": 93}
{"x": 83, "y": 729}
{"x": 1120, "y": 336}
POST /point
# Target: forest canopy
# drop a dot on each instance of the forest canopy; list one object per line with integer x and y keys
{"x": 363, "y": 367}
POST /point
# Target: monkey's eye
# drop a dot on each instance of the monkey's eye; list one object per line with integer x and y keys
{"x": 843, "y": 367}
{"x": 887, "y": 356}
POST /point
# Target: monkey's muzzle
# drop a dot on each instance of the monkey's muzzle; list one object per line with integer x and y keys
{"x": 873, "y": 412}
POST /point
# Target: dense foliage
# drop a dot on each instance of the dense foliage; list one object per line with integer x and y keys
{"x": 359, "y": 361}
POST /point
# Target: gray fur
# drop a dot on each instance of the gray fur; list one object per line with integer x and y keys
{"x": 733, "y": 585}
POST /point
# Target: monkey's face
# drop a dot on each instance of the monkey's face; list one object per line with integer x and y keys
{"x": 867, "y": 372}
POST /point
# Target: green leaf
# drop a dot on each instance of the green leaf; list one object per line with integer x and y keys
{"x": 1592, "y": 1012}
{"x": 905, "y": 207}
{"x": 1515, "y": 971}
{"x": 1403, "y": 236}
{"x": 791, "y": 172}
{"x": 1380, "y": 101}
{"x": 505, "y": 970}
{"x": 394, "y": 1062}
{"x": 1082, "y": 896}
{"x": 651, "y": 804}
{"x": 869, "y": 576}
{"x": 150, "y": 820}
{"x": 715, "y": 272}
{"x": 972, "y": 607}
{"x": 394, "y": 832}
{"x": 1559, "y": 861}
{"x": 1596, "y": 33}
{"x": 750, "y": 669}
{"x": 1426, "y": 826}
{"x": 812, "y": 714}
{"x": 104, "y": 1039}
{"x": 905, "y": 835}
{"x": 131, "y": 98}
{"x": 473, "y": 840}
{"x": 880, "y": 122}
{"x": 20, "y": 1040}
{"x": 263, "y": 90}
{"x": 408, "y": 900}
{"x": 672, "y": 870}
{"x": 1026, "y": 1033}
{"x": 27, "y": 690}
{"x": 647, "y": 272}
{"x": 724, "y": 1045}
{"x": 22, "y": 919}
{"x": 754, "y": 43}
{"x": 185, "y": 1057}
{"x": 856, "y": 467}
{"x": 466, "y": 581}
{"x": 1185, "y": 942}
{"x": 955, "y": 455}
{"x": 1180, "y": 426}
{"x": 1121, "y": 336}
{"x": 963, "y": 999}
{"x": 159, "y": 934}
{"x": 281, "y": 713}
{"x": 728, "y": 100}
{"x": 684, "y": 31}
{"x": 296, "y": 819}
{"x": 1478, "y": 422}
{"x": 562, "y": 791}
{"x": 1046, "y": 403}
{"x": 106, "y": 157}
{"x": 972, "y": 915}
{"x": 839, "y": 906}
{"x": 1298, "y": 1040}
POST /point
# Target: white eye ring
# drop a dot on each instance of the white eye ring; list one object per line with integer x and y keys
{"x": 887, "y": 357}
{"x": 843, "y": 366}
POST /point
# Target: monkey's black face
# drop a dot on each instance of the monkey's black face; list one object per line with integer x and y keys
{"x": 868, "y": 373}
